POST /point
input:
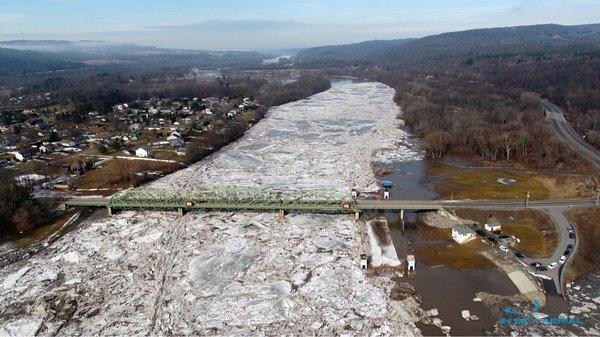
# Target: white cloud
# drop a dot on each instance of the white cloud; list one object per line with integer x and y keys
{"x": 11, "y": 17}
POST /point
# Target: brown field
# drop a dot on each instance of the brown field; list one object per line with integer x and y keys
{"x": 587, "y": 226}
{"x": 121, "y": 173}
{"x": 462, "y": 183}
{"x": 535, "y": 229}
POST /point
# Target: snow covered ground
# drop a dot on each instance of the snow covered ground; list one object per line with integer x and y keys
{"x": 140, "y": 273}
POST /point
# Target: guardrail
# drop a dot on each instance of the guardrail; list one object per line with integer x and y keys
{"x": 224, "y": 198}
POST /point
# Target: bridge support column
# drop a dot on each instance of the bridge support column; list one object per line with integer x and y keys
{"x": 357, "y": 215}
{"x": 401, "y": 214}
{"x": 180, "y": 211}
{"x": 386, "y": 194}
{"x": 281, "y": 215}
{"x": 109, "y": 209}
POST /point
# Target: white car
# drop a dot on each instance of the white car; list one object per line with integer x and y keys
{"x": 562, "y": 259}
{"x": 552, "y": 265}
{"x": 504, "y": 249}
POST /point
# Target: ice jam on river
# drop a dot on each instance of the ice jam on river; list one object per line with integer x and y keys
{"x": 152, "y": 273}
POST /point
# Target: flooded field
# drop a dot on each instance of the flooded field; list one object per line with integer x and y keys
{"x": 447, "y": 289}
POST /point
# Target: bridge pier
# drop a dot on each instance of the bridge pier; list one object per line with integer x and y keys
{"x": 401, "y": 214}
{"x": 357, "y": 215}
{"x": 281, "y": 215}
{"x": 386, "y": 194}
{"x": 180, "y": 211}
{"x": 109, "y": 209}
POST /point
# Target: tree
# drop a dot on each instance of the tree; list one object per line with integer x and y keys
{"x": 54, "y": 137}
{"x": 507, "y": 144}
{"x": 115, "y": 144}
{"x": 437, "y": 143}
{"x": 102, "y": 149}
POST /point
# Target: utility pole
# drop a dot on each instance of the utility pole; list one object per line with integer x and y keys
{"x": 527, "y": 201}
{"x": 598, "y": 197}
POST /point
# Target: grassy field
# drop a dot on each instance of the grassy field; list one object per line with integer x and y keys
{"x": 483, "y": 184}
{"x": 586, "y": 258}
{"x": 535, "y": 229}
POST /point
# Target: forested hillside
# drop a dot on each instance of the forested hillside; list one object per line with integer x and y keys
{"x": 20, "y": 62}
{"x": 477, "y": 90}
{"x": 333, "y": 56}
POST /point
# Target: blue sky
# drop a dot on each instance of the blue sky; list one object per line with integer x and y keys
{"x": 272, "y": 24}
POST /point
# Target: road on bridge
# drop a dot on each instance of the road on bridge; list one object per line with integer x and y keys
{"x": 561, "y": 127}
{"x": 479, "y": 204}
{"x": 363, "y": 205}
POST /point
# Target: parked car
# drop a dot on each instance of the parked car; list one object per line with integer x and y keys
{"x": 541, "y": 268}
{"x": 492, "y": 239}
{"x": 535, "y": 264}
{"x": 567, "y": 252}
{"x": 504, "y": 249}
{"x": 503, "y": 236}
{"x": 572, "y": 235}
{"x": 562, "y": 259}
{"x": 480, "y": 232}
{"x": 519, "y": 255}
{"x": 570, "y": 246}
{"x": 552, "y": 265}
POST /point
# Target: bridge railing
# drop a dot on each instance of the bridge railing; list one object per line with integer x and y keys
{"x": 234, "y": 197}
{"x": 144, "y": 197}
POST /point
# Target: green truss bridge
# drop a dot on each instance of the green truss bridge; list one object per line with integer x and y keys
{"x": 222, "y": 198}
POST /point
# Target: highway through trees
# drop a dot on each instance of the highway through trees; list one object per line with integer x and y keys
{"x": 561, "y": 127}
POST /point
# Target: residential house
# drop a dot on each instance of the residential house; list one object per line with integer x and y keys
{"x": 462, "y": 234}
{"x": 143, "y": 151}
{"x": 175, "y": 141}
{"x": 493, "y": 225}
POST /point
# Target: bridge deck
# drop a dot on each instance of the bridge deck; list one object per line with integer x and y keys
{"x": 356, "y": 205}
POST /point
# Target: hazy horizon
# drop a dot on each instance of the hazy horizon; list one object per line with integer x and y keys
{"x": 272, "y": 25}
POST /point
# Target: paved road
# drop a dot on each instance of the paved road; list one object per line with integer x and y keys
{"x": 480, "y": 204}
{"x": 562, "y": 224}
{"x": 559, "y": 124}
{"x": 411, "y": 204}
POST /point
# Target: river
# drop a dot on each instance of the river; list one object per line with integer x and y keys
{"x": 212, "y": 273}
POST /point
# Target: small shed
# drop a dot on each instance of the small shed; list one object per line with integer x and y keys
{"x": 364, "y": 262}
{"x": 410, "y": 262}
{"x": 492, "y": 224}
{"x": 462, "y": 234}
